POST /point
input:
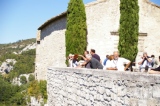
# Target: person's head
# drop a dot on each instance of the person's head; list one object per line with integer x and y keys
{"x": 86, "y": 52}
{"x": 159, "y": 58}
{"x": 75, "y": 56}
{"x": 107, "y": 56}
{"x": 152, "y": 56}
{"x": 70, "y": 56}
{"x": 144, "y": 54}
{"x": 92, "y": 51}
{"x": 88, "y": 57}
{"x": 111, "y": 57}
{"x": 115, "y": 55}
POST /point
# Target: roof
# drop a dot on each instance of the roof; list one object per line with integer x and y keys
{"x": 52, "y": 20}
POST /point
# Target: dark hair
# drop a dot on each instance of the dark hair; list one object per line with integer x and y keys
{"x": 152, "y": 56}
{"x": 87, "y": 52}
{"x": 159, "y": 57}
{"x": 92, "y": 50}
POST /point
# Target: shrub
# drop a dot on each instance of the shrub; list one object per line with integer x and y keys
{"x": 23, "y": 80}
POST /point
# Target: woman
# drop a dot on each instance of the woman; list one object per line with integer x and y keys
{"x": 86, "y": 64}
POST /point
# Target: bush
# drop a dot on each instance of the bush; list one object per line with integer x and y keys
{"x": 23, "y": 80}
{"x": 31, "y": 77}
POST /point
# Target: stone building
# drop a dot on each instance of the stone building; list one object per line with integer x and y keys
{"x": 103, "y": 24}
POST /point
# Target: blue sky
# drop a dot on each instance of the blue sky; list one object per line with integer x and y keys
{"x": 19, "y": 19}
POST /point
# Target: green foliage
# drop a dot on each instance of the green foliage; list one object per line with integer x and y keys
{"x": 24, "y": 65}
{"x": 11, "y": 95}
{"x": 43, "y": 89}
{"x": 31, "y": 77}
{"x": 129, "y": 29}
{"x": 16, "y": 46}
{"x": 76, "y": 31}
{"x": 23, "y": 80}
{"x": 38, "y": 89}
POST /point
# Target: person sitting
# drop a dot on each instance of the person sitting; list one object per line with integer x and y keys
{"x": 70, "y": 60}
{"x": 94, "y": 55}
{"x": 156, "y": 70}
{"x": 75, "y": 60}
{"x": 85, "y": 63}
{"x": 109, "y": 64}
{"x": 105, "y": 61}
{"x": 145, "y": 62}
{"x": 154, "y": 62}
{"x": 118, "y": 62}
{"x": 94, "y": 63}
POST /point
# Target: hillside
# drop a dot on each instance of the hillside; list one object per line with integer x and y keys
{"x": 16, "y": 46}
{"x": 18, "y": 84}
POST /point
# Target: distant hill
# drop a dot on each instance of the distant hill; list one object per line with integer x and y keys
{"x": 16, "y": 46}
{"x": 18, "y": 85}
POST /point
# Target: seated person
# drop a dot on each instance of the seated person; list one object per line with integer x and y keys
{"x": 145, "y": 62}
{"x": 85, "y": 63}
{"x": 70, "y": 60}
{"x": 109, "y": 64}
{"x": 94, "y": 63}
{"x": 154, "y": 62}
{"x": 156, "y": 70}
{"x": 118, "y": 63}
{"x": 105, "y": 61}
{"x": 75, "y": 60}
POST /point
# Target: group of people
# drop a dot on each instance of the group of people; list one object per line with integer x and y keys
{"x": 149, "y": 63}
{"x": 113, "y": 62}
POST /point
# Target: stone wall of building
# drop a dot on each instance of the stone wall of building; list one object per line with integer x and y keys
{"x": 149, "y": 22}
{"x": 51, "y": 49}
{"x": 102, "y": 24}
{"x": 86, "y": 87}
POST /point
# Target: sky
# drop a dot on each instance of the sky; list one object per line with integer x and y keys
{"x": 20, "y": 19}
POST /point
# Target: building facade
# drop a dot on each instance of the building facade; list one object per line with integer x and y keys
{"x": 102, "y": 25}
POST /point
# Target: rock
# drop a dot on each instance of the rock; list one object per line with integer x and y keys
{"x": 6, "y": 66}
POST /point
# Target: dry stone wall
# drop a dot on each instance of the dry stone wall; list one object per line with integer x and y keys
{"x": 86, "y": 87}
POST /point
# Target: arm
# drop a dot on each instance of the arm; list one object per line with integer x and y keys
{"x": 139, "y": 63}
{"x": 82, "y": 57}
{"x": 111, "y": 68}
{"x": 149, "y": 60}
{"x": 127, "y": 65}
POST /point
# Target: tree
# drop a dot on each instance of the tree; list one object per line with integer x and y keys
{"x": 23, "y": 80}
{"x": 129, "y": 29}
{"x": 76, "y": 31}
{"x": 31, "y": 77}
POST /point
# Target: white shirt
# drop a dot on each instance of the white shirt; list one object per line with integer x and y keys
{"x": 119, "y": 64}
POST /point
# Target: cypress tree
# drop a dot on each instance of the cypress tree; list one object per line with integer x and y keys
{"x": 129, "y": 29}
{"x": 76, "y": 31}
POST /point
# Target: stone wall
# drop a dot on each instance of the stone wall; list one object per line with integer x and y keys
{"x": 51, "y": 49}
{"x": 86, "y": 87}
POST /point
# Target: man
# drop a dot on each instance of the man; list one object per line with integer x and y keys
{"x": 154, "y": 62}
{"x": 94, "y": 63}
{"x": 94, "y": 55}
{"x": 105, "y": 61}
{"x": 156, "y": 70}
{"x": 145, "y": 62}
{"x": 118, "y": 63}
